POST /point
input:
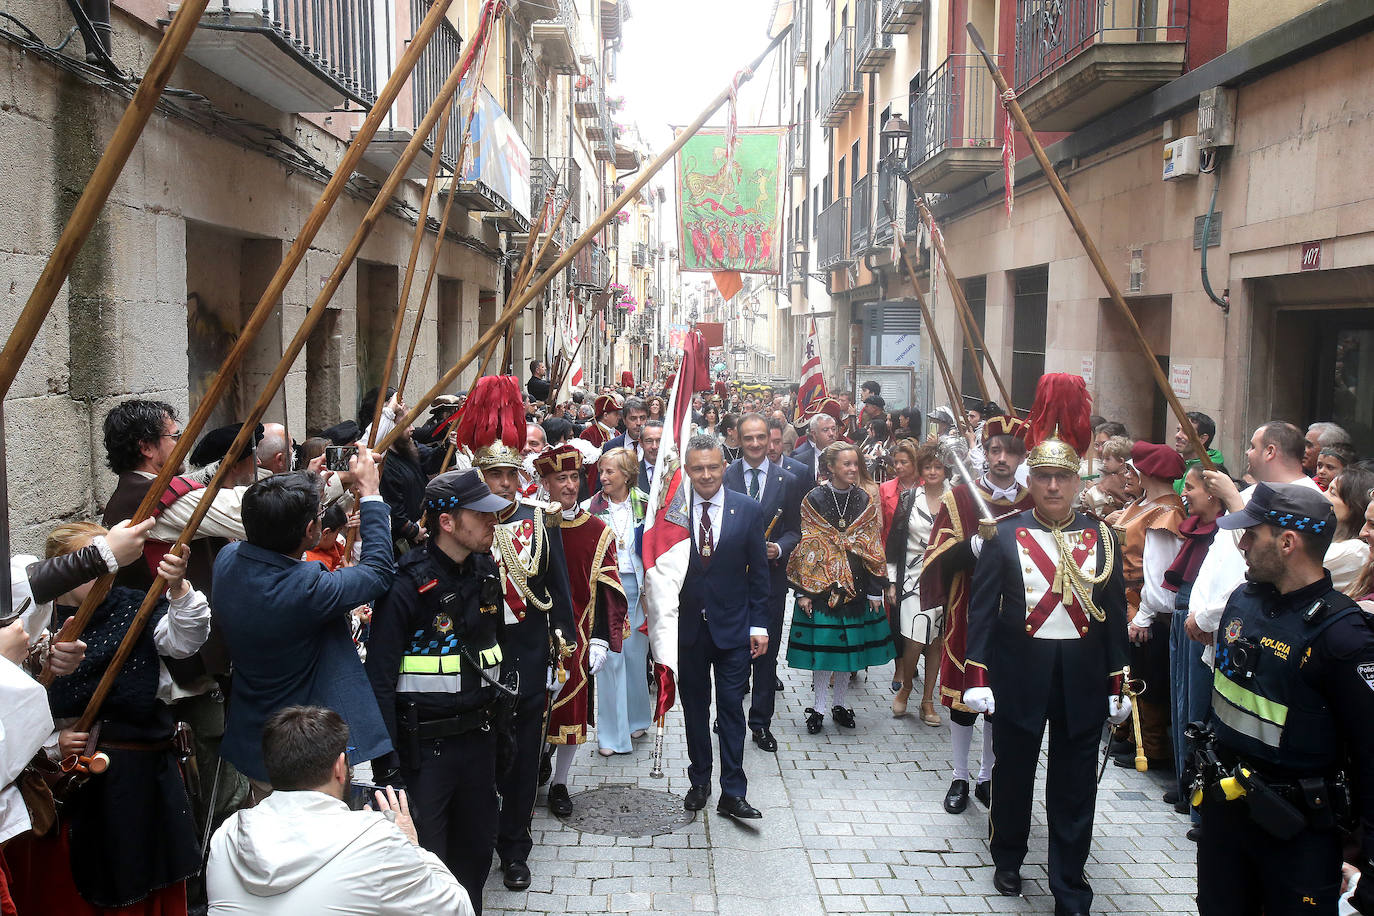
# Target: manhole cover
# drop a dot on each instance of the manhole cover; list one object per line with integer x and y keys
{"x": 627, "y": 811}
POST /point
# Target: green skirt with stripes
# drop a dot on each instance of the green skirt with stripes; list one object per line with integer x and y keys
{"x": 847, "y": 638}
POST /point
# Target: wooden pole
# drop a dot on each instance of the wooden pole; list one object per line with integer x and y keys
{"x": 928, "y": 321}
{"x": 267, "y": 304}
{"x": 520, "y": 301}
{"x": 421, "y": 224}
{"x": 460, "y": 162}
{"x": 1095, "y": 256}
{"x": 293, "y": 349}
{"x": 98, "y": 187}
{"x": 970, "y": 325}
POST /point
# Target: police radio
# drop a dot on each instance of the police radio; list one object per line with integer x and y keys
{"x": 1238, "y": 658}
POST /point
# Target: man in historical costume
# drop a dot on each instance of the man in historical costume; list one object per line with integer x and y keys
{"x": 1047, "y": 645}
{"x": 603, "y": 430}
{"x": 539, "y": 624}
{"x": 945, "y": 582}
{"x": 598, "y": 603}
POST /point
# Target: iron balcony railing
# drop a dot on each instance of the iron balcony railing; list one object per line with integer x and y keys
{"x": 1052, "y": 32}
{"x": 899, "y": 15}
{"x": 543, "y": 176}
{"x": 872, "y": 47}
{"x": 832, "y": 234}
{"x": 336, "y": 37}
{"x": 639, "y": 255}
{"x": 796, "y": 148}
{"x": 839, "y": 88}
{"x": 437, "y": 61}
{"x": 861, "y": 214}
{"x": 958, "y": 109}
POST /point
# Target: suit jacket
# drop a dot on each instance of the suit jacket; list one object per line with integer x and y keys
{"x": 643, "y": 483}
{"x": 621, "y": 441}
{"x": 806, "y": 480}
{"x": 806, "y": 455}
{"x": 780, "y": 493}
{"x": 729, "y": 596}
{"x": 286, "y": 624}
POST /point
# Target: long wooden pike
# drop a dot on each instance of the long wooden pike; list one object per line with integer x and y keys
{"x": 961, "y": 302}
{"x": 267, "y": 304}
{"x": 1113, "y": 291}
{"x": 516, "y": 305}
{"x": 928, "y": 321}
{"x": 293, "y": 349}
{"x": 421, "y": 224}
{"x": 98, "y": 187}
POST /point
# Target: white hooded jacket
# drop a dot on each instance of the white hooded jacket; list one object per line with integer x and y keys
{"x": 306, "y": 852}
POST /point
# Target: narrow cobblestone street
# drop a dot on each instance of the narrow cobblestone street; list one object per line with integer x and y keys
{"x": 852, "y": 823}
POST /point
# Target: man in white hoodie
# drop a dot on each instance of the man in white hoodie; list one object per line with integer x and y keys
{"x": 302, "y": 850}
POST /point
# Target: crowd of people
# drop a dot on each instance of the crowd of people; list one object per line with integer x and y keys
{"x": 467, "y": 609}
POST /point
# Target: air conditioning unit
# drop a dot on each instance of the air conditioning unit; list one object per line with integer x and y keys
{"x": 1180, "y": 158}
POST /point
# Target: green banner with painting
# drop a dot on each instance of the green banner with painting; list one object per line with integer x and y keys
{"x": 730, "y": 209}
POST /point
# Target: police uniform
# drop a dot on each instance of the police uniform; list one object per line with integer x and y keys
{"x": 440, "y": 617}
{"x": 1291, "y": 757}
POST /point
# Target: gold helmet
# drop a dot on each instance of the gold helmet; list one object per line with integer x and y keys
{"x": 497, "y": 455}
{"x": 1060, "y": 430}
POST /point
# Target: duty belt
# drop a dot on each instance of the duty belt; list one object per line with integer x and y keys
{"x": 456, "y": 725}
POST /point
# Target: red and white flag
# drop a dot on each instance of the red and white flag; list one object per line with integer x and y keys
{"x": 812, "y": 388}
{"x": 667, "y": 526}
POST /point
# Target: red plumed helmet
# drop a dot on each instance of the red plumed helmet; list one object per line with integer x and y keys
{"x": 494, "y": 411}
{"x": 1061, "y": 403}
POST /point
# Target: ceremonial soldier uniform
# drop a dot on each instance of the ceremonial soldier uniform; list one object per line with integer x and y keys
{"x": 1047, "y": 639}
{"x": 598, "y": 434}
{"x": 1290, "y": 758}
{"x": 434, "y": 658}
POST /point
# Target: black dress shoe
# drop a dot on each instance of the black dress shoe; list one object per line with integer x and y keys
{"x": 983, "y": 792}
{"x": 696, "y": 798}
{"x": 777, "y": 684}
{"x": 1171, "y": 797}
{"x": 517, "y": 876}
{"x": 813, "y": 721}
{"x": 560, "y": 805}
{"x": 1157, "y": 764}
{"x": 1194, "y": 833}
{"x": 763, "y": 737}
{"x": 956, "y": 799}
{"x": 735, "y": 806}
{"x": 1007, "y": 881}
{"x": 843, "y": 716}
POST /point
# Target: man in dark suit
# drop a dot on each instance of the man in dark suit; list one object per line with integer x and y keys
{"x": 722, "y": 625}
{"x": 635, "y": 414}
{"x": 286, "y": 622}
{"x": 777, "y": 494}
{"x": 821, "y": 431}
{"x": 777, "y": 427}
{"x": 649, "y": 441}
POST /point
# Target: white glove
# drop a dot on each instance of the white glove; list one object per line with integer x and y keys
{"x": 554, "y": 685}
{"x": 597, "y": 650}
{"x": 1118, "y": 709}
{"x": 980, "y": 699}
{"x": 976, "y": 544}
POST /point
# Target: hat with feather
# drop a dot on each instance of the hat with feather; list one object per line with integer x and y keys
{"x": 492, "y": 426}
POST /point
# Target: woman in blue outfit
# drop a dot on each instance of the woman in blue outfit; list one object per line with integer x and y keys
{"x": 623, "y": 710}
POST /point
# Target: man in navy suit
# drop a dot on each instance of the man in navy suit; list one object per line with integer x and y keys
{"x": 286, "y": 622}
{"x": 722, "y": 624}
{"x": 777, "y": 454}
{"x": 820, "y": 432}
{"x": 778, "y": 495}
{"x": 649, "y": 440}
{"x": 636, "y": 414}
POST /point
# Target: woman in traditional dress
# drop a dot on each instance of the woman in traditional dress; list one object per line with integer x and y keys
{"x": 839, "y": 574}
{"x": 127, "y": 841}
{"x": 622, "y": 686}
{"x": 919, "y": 632}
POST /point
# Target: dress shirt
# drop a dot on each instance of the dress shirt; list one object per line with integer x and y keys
{"x": 762, "y": 470}
{"x": 997, "y": 492}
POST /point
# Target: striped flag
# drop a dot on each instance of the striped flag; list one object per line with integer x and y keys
{"x": 812, "y": 388}
{"x": 667, "y": 533}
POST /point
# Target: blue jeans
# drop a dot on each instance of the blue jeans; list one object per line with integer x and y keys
{"x": 1191, "y": 680}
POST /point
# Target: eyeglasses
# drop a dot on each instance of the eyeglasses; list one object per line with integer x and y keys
{"x": 173, "y": 436}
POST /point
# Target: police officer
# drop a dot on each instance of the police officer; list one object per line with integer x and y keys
{"x": 434, "y": 659}
{"x": 1291, "y": 757}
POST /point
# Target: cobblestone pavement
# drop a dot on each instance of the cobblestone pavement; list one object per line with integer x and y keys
{"x": 852, "y": 823}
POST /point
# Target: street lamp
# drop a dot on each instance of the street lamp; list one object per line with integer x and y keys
{"x": 895, "y": 135}
{"x": 797, "y": 258}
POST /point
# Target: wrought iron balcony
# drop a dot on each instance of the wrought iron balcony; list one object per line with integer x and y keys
{"x": 295, "y": 55}
{"x": 956, "y": 135}
{"x": 796, "y": 149}
{"x": 832, "y": 234}
{"x": 589, "y": 100}
{"x": 873, "y": 48}
{"x": 1077, "y": 60}
{"x": 437, "y": 60}
{"x": 861, "y": 215}
{"x": 839, "y": 89}
{"x": 898, "y": 16}
{"x": 543, "y": 178}
{"x": 801, "y": 35}
{"x": 639, "y": 255}
{"x": 554, "y": 31}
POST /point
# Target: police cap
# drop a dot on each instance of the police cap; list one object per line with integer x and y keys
{"x": 1284, "y": 505}
{"x": 456, "y": 490}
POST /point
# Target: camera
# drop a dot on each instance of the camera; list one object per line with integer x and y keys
{"x": 336, "y": 457}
